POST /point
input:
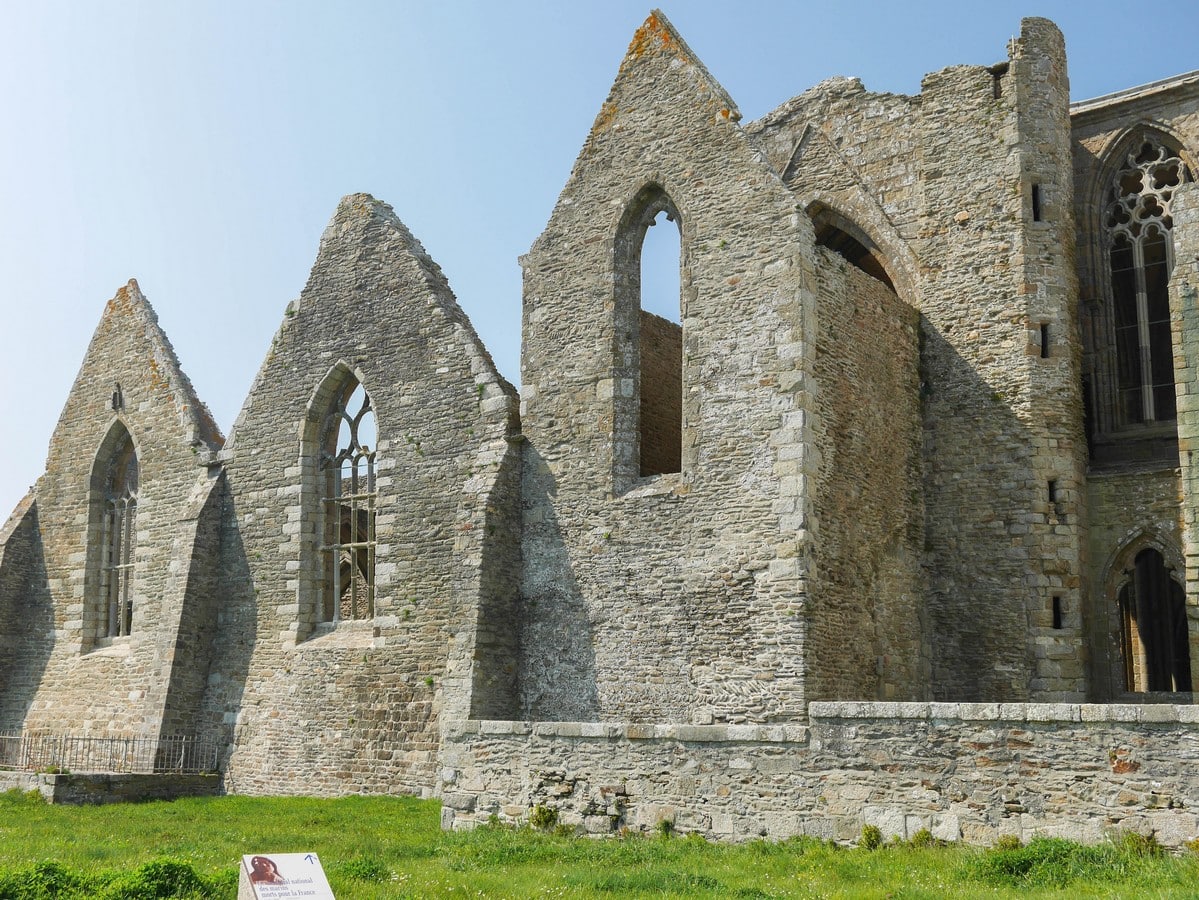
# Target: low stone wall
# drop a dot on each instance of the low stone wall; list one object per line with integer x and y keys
{"x": 96, "y": 788}
{"x": 970, "y": 772}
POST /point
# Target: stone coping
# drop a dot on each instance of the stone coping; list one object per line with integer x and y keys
{"x": 821, "y": 711}
{"x": 1063, "y": 713}
{"x": 632, "y": 731}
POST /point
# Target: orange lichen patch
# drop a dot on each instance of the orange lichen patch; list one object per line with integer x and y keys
{"x": 121, "y": 301}
{"x": 607, "y": 115}
{"x": 156, "y": 378}
{"x": 724, "y": 113}
{"x": 653, "y": 32}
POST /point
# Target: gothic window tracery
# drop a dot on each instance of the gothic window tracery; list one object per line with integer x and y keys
{"x": 119, "y": 540}
{"x": 1137, "y": 224}
{"x": 348, "y": 503}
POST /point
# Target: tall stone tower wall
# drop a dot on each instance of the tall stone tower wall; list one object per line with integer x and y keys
{"x": 679, "y": 595}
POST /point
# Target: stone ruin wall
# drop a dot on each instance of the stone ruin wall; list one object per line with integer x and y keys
{"x": 309, "y": 708}
{"x": 965, "y": 771}
{"x": 866, "y": 636}
{"x": 1143, "y": 497}
{"x": 661, "y": 392}
{"x": 671, "y": 637}
{"x": 1184, "y": 327}
{"x": 24, "y": 614}
{"x": 678, "y": 597}
{"x": 944, "y": 200}
{"x": 113, "y": 685}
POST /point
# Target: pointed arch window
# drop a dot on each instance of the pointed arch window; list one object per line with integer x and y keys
{"x": 349, "y": 499}
{"x": 1137, "y": 223}
{"x": 1154, "y": 633}
{"x": 650, "y": 274}
{"x": 119, "y": 540}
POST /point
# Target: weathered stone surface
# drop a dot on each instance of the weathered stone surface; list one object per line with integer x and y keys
{"x": 848, "y": 544}
{"x": 962, "y": 775}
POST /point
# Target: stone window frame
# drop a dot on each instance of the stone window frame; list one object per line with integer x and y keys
{"x": 643, "y": 207}
{"x": 316, "y": 614}
{"x": 1118, "y": 575}
{"x": 110, "y": 585}
{"x": 1109, "y": 419}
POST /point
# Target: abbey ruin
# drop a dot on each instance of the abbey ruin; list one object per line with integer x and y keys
{"x": 897, "y": 524}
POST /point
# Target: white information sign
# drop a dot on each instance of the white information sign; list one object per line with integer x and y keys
{"x": 281, "y": 876}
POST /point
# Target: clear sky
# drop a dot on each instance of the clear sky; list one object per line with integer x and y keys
{"x": 201, "y": 147}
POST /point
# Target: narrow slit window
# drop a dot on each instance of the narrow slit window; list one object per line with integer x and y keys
{"x": 348, "y": 507}
{"x": 1051, "y": 489}
{"x": 1044, "y": 340}
{"x": 1057, "y": 613}
{"x": 660, "y": 347}
{"x": 1036, "y": 203}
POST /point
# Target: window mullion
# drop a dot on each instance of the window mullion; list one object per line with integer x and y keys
{"x": 1146, "y": 359}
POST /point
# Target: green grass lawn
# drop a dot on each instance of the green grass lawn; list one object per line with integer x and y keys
{"x": 392, "y": 847}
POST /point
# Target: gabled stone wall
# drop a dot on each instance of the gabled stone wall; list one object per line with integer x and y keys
{"x": 311, "y": 706}
{"x": 680, "y": 596}
{"x": 130, "y": 381}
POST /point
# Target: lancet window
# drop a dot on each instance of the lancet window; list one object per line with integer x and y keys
{"x": 348, "y": 502}
{"x": 649, "y": 274}
{"x": 119, "y": 540}
{"x": 1154, "y": 627}
{"x": 1141, "y": 254}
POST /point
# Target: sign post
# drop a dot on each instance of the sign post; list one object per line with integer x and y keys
{"x": 283, "y": 876}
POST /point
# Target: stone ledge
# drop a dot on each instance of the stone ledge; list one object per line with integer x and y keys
{"x": 631, "y": 731}
{"x": 1147, "y": 713}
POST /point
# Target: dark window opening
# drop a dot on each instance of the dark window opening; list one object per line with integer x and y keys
{"x": 858, "y": 251}
{"x": 1057, "y": 613}
{"x": 1154, "y": 627}
{"x": 1140, "y": 255}
{"x": 997, "y": 73}
{"x": 1036, "y": 203}
{"x": 1051, "y": 489}
{"x": 1044, "y": 340}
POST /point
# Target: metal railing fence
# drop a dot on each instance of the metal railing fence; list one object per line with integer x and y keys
{"x": 116, "y": 755}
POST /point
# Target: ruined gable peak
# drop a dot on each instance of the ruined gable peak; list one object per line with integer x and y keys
{"x": 657, "y": 39}
{"x": 130, "y": 367}
{"x": 365, "y": 240}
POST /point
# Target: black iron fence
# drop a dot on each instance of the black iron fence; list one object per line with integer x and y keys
{"x": 63, "y": 753}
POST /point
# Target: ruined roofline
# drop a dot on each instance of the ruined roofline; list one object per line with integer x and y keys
{"x": 1187, "y": 81}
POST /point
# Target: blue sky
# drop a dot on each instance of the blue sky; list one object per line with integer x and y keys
{"x": 201, "y": 147}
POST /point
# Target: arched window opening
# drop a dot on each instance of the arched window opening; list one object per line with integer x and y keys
{"x": 660, "y": 253}
{"x": 661, "y": 347}
{"x": 1137, "y": 222}
{"x": 840, "y": 235}
{"x": 348, "y": 503}
{"x": 1154, "y": 627}
{"x": 119, "y": 540}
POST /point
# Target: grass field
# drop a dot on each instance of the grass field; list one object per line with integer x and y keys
{"x": 391, "y": 847}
